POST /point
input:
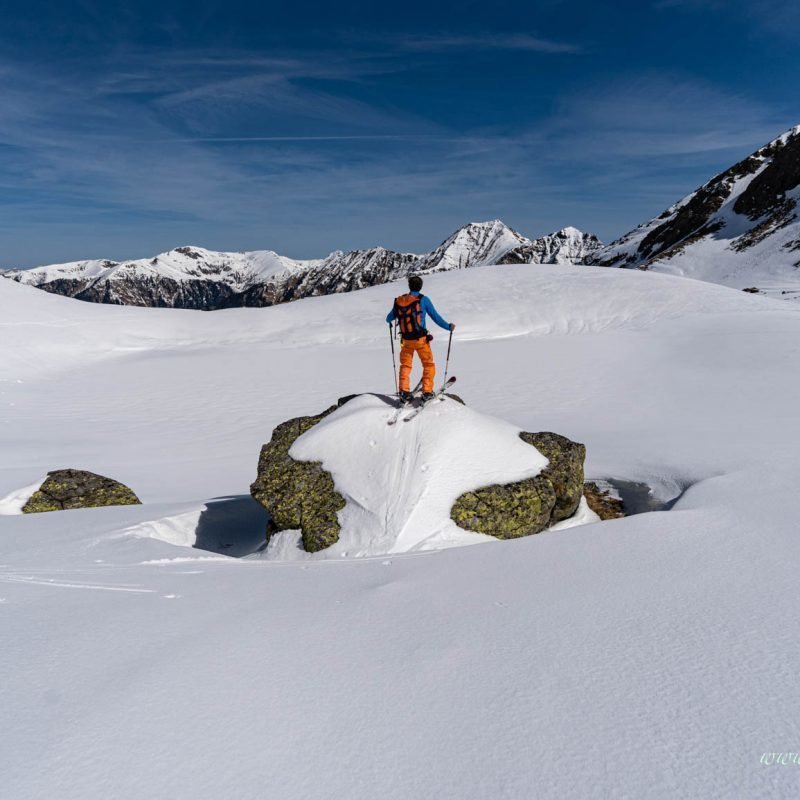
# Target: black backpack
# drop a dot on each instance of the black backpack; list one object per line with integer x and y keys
{"x": 408, "y": 313}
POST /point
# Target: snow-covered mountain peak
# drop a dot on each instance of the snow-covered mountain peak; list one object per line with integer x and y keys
{"x": 476, "y": 243}
{"x": 195, "y": 277}
{"x": 566, "y": 246}
{"x": 785, "y": 136}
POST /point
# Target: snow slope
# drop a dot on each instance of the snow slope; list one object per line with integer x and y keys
{"x": 652, "y": 656}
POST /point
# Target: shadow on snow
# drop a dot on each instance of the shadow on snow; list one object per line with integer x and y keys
{"x": 232, "y": 526}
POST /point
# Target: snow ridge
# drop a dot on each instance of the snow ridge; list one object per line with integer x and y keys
{"x": 193, "y": 277}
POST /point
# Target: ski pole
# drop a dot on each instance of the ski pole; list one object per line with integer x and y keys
{"x": 394, "y": 364}
{"x": 447, "y": 362}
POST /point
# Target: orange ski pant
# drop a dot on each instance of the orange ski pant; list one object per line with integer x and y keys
{"x": 423, "y": 349}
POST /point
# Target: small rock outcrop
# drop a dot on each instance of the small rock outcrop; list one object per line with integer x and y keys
{"x": 299, "y": 495}
{"x": 65, "y": 489}
{"x": 602, "y": 502}
{"x": 508, "y": 511}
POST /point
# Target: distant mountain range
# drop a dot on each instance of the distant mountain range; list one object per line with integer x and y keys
{"x": 192, "y": 277}
{"x": 741, "y": 229}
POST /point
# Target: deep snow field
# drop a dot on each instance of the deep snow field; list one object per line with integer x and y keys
{"x": 654, "y": 656}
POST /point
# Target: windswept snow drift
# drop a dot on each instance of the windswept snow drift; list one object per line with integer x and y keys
{"x": 401, "y": 481}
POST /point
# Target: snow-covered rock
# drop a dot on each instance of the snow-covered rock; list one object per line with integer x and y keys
{"x": 346, "y": 483}
{"x": 193, "y": 277}
{"x": 740, "y": 229}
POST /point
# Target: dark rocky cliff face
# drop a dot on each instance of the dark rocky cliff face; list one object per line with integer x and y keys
{"x": 161, "y": 293}
{"x": 767, "y": 191}
{"x": 342, "y": 272}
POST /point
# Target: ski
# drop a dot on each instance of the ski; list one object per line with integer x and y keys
{"x": 404, "y": 405}
{"x": 437, "y": 396}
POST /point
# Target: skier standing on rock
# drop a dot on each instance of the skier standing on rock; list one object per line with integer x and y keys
{"x": 411, "y": 310}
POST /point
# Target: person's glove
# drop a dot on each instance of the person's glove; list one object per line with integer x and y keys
{"x": 452, "y": 326}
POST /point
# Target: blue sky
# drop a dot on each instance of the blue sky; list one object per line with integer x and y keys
{"x": 127, "y": 129}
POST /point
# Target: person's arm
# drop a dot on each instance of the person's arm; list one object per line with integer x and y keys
{"x": 390, "y": 316}
{"x": 428, "y": 306}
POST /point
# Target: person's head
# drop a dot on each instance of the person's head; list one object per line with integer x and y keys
{"x": 414, "y": 283}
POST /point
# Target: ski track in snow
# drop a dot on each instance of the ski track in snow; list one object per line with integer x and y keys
{"x": 653, "y": 656}
{"x": 42, "y": 581}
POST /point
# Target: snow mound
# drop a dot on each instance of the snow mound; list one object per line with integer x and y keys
{"x": 400, "y": 481}
{"x": 14, "y": 502}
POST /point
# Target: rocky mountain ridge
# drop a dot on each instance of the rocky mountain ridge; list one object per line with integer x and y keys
{"x": 740, "y": 229}
{"x": 196, "y": 278}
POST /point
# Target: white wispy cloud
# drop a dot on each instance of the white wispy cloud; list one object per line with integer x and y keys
{"x": 83, "y": 154}
{"x": 659, "y": 115}
{"x": 233, "y": 150}
{"x": 377, "y": 137}
{"x": 494, "y": 41}
{"x": 774, "y": 17}
{"x": 689, "y": 4}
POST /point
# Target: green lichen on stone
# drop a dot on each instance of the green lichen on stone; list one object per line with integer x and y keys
{"x": 508, "y": 511}
{"x": 565, "y": 470}
{"x": 299, "y": 495}
{"x": 67, "y": 489}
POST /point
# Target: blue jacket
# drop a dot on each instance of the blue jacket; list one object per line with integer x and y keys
{"x": 426, "y": 307}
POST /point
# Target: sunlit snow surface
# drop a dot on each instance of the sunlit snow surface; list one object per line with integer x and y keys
{"x": 653, "y": 656}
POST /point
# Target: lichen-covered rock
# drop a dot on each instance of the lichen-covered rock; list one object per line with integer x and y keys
{"x": 602, "y": 502}
{"x": 299, "y": 495}
{"x": 507, "y": 511}
{"x": 565, "y": 470}
{"x": 74, "y": 488}
{"x": 530, "y": 506}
